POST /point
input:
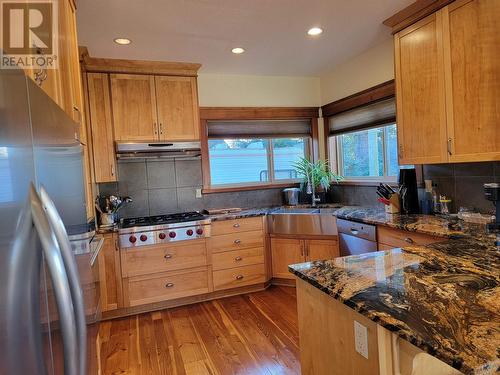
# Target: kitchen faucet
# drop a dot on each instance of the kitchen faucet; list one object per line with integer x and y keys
{"x": 310, "y": 190}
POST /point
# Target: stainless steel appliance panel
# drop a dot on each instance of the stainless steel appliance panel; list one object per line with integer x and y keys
{"x": 356, "y": 238}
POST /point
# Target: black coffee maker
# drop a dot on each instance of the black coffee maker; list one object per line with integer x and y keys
{"x": 492, "y": 193}
{"x": 408, "y": 191}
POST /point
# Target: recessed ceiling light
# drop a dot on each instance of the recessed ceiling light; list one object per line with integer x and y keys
{"x": 314, "y": 31}
{"x": 122, "y": 41}
{"x": 238, "y": 50}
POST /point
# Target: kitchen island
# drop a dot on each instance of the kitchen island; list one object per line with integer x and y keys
{"x": 443, "y": 298}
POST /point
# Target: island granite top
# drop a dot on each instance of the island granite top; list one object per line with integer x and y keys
{"x": 444, "y": 298}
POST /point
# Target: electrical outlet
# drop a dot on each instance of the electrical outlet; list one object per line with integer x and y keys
{"x": 361, "y": 339}
{"x": 198, "y": 193}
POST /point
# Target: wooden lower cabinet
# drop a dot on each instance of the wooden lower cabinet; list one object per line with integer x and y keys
{"x": 286, "y": 251}
{"x": 239, "y": 276}
{"x": 390, "y": 238}
{"x": 158, "y": 287}
{"x": 321, "y": 249}
{"x": 238, "y": 258}
{"x": 327, "y": 342}
{"x": 110, "y": 278}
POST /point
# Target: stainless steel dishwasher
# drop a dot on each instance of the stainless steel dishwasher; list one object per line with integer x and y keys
{"x": 356, "y": 238}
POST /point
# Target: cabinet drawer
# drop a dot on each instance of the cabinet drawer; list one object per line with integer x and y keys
{"x": 165, "y": 286}
{"x": 161, "y": 258}
{"x": 401, "y": 238}
{"x": 239, "y": 276}
{"x": 236, "y": 226}
{"x": 236, "y": 241}
{"x": 238, "y": 258}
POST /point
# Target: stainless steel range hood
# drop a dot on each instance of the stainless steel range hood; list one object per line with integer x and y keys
{"x": 135, "y": 150}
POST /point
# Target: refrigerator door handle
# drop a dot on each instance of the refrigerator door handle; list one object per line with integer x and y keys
{"x": 72, "y": 274}
{"x": 62, "y": 293}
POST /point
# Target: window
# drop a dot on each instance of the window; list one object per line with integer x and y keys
{"x": 249, "y": 161}
{"x": 6, "y": 193}
{"x": 369, "y": 154}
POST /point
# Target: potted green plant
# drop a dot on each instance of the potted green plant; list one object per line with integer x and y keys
{"x": 317, "y": 174}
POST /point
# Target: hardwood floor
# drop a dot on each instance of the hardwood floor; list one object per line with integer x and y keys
{"x": 249, "y": 334}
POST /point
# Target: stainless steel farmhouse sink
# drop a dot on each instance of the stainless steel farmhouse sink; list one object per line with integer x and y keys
{"x": 303, "y": 221}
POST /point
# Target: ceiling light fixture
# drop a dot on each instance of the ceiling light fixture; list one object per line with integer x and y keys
{"x": 122, "y": 41}
{"x": 314, "y": 31}
{"x": 238, "y": 50}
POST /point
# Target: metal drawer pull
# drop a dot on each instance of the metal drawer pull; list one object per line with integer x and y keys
{"x": 168, "y": 256}
{"x": 169, "y": 285}
{"x": 354, "y": 231}
{"x": 237, "y": 242}
{"x": 409, "y": 240}
{"x": 239, "y": 277}
{"x": 236, "y": 225}
{"x": 238, "y": 259}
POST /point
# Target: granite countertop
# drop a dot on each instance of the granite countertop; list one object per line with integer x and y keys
{"x": 444, "y": 298}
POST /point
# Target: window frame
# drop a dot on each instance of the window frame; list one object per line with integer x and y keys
{"x": 270, "y": 165}
{"x": 334, "y": 146}
{"x": 256, "y": 113}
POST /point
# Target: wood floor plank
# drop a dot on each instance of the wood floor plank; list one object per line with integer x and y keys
{"x": 250, "y": 334}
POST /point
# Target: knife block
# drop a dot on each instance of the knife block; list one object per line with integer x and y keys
{"x": 394, "y": 206}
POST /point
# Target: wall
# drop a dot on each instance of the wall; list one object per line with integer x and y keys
{"x": 161, "y": 187}
{"x": 368, "y": 69}
{"x": 227, "y": 90}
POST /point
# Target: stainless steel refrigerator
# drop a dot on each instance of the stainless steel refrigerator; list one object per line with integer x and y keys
{"x": 49, "y": 299}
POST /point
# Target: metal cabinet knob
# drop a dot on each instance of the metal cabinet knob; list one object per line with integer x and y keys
{"x": 409, "y": 240}
{"x": 168, "y": 256}
{"x": 239, "y": 277}
{"x": 238, "y": 259}
{"x": 169, "y": 285}
{"x": 237, "y": 225}
{"x": 237, "y": 242}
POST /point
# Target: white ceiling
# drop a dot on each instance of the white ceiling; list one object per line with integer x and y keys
{"x": 273, "y": 32}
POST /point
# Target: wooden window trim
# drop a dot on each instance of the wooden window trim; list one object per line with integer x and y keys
{"x": 373, "y": 94}
{"x": 252, "y": 113}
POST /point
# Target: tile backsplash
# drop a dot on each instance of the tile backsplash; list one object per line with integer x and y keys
{"x": 462, "y": 182}
{"x": 167, "y": 186}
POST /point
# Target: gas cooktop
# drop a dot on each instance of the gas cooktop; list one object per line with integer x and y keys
{"x": 146, "y": 221}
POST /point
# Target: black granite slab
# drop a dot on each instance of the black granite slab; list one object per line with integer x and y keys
{"x": 444, "y": 298}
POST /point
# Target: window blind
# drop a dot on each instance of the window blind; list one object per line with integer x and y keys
{"x": 259, "y": 128}
{"x": 368, "y": 116}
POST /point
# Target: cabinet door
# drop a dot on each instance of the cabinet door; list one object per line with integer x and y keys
{"x": 101, "y": 127}
{"x": 421, "y": 112}
{"x": 134, "y": 107}
{"x": 286, "y": 251}
{"x": 322, "y": 249}
{"x": 110, "y": 277}
{"x": 472, "y": 61}
{"x": 177, "y": 101}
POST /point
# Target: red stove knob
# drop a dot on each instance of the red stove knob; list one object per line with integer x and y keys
{"x": 172, "y": 234}
{"x": 143, "y": 237}
{"x": 132, "y": 239}
{"x": 199, "y": 231}
{"x": 189, "y": 232}
{"x": 162, "y": 236}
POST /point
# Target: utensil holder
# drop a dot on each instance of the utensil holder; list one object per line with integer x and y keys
{"x": 394, "y": 206}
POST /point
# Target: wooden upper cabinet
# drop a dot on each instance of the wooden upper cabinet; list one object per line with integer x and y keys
{"x": 101, "y": 126}
{"x": 134, "y": 107}
{"x": 420, "y": 92}
{"x": 177, "y": 102}
{"x": 448, "y": 85}
{"x": 472, "y": 60}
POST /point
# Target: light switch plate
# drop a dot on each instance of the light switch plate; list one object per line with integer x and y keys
{"x": 198, "y": 193}
{"x": 361, "y": 339}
